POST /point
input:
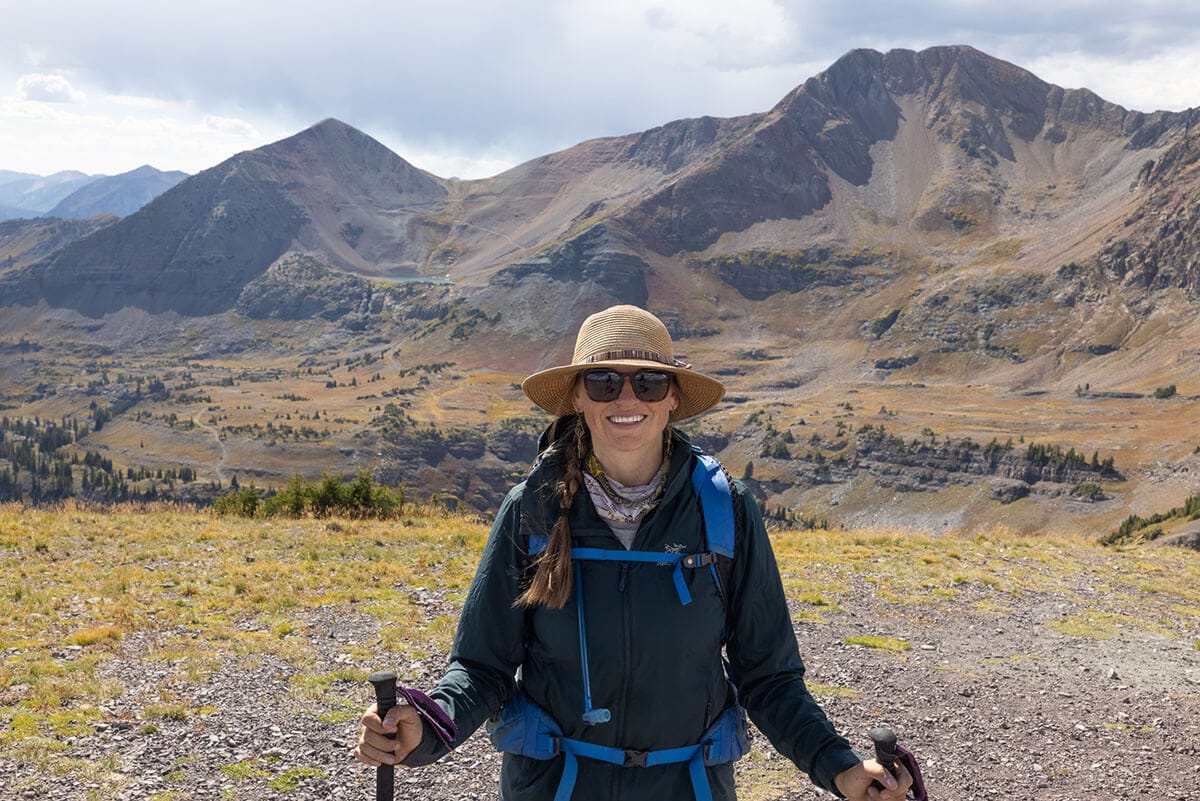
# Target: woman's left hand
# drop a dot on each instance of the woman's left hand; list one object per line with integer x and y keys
{"x": 859, "y": 782}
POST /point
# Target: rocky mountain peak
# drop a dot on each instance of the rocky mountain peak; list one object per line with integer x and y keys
{"x": 335, "y": 149}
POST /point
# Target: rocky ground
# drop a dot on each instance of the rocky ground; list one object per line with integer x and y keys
{"x": 997, "y": 705}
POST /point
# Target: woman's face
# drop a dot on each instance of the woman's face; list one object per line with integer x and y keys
{"x": 626, "y": 430}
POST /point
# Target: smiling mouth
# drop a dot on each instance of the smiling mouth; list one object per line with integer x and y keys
{"x": 627, "y": 419}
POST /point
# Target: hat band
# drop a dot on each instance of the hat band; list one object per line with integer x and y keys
{"x": 632, "y": 353}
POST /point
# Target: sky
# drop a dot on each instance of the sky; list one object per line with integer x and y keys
{"x": 469, "y": 88}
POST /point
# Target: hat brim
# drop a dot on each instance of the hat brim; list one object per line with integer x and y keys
{"x": 552, "y": 389}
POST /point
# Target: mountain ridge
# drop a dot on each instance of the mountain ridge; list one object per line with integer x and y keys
{"x": 121, "y": 194}
{"x": 24, "y": 191}
{"x": 900, "y": 230}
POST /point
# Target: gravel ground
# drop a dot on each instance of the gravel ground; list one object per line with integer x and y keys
{"x": 996, "y": 704}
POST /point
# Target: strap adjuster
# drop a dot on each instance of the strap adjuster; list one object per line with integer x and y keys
{"x": 699, "y": 559}
{"x": 634, "y": 759}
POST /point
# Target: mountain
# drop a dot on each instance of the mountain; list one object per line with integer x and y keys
{"x": 9, "y": 176}
{"x": 939, "y": 235}
{"x": 15, "y": 213}
{"x": 945, "y": 151}
{"x": 121, "y": 195}
{"x": 193, "y": 249}
{"x": 7, "y": 210}
{"x": 22, "y": 191}
{"x": 26, "y": 242}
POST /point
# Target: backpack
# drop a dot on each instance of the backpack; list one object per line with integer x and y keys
{"x": 523, "y": 727}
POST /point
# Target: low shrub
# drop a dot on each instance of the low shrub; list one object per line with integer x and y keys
{"x": 331, "y": 497}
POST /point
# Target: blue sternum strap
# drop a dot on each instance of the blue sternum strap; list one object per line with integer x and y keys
{"x": 650, "y": 557}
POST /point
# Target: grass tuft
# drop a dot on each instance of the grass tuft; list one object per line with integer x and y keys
{"x": 95, "y": 634}
{"x": 893, "y": 644}
{"x": 292, "y": 778}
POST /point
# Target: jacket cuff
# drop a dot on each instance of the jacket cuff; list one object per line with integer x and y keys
{"x": 429, "y": 750}
{"x": 438, "y": 732}
{"x": 830, "y": 763}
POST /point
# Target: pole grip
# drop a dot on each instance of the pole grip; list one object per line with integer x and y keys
{"x": 385, "y": 698}
{"x": 885, "y": 747}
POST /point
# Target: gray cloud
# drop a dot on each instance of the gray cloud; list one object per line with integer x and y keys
{"x": 531, "y": 76}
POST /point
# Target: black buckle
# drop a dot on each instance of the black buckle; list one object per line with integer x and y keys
{"x": 699, "y": 559}
{"x": 635, "y": 759}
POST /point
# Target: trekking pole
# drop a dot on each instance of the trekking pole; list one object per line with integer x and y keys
{"x": 885, "y": 748}
{"x": 385, "y": 699}
{"x": 888, "y": 752}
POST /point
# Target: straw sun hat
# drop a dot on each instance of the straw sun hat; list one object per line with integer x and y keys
{"x": 630, "y": 338}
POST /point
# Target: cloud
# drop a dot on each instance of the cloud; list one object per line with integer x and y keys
{"x": 40, "y": 88}
{"x": 1164, "y": 80}
{"x": 522, "y": 78}
{"x": 231, "y": 126}
{"x": 110, "y": 136}
{"x": 148, "y": 103}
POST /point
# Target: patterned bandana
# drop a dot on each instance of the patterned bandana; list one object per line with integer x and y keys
{"x": 620, "y": 505}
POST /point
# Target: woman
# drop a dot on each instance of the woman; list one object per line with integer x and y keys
{"x": 617, "y": 649}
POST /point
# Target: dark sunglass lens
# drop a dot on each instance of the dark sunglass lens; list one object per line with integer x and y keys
{"x": 651, "y": 385}
{"x": 603, "y": 386}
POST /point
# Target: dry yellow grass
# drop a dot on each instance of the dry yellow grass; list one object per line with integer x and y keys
{"x": 81, "y": 583}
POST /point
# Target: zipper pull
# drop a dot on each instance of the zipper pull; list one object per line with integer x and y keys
{"x": 624, "y": 573}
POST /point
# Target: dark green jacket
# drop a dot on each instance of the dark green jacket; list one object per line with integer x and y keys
{"x": 655, "y": 663}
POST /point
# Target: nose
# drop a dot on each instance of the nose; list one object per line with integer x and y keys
{"x": 627, "y": 392}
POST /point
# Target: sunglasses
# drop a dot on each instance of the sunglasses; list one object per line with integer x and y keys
{"x": 604, "y": 386}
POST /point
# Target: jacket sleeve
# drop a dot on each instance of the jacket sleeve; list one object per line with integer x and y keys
{"x": 490, "y": 642}
{"x": 765, "y": 662}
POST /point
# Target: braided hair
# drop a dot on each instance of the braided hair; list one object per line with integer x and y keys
{"x": 552, "y": 574}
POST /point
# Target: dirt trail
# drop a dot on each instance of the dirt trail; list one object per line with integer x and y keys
{"x": 219, "y": 465}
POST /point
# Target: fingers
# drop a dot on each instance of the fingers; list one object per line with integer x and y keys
{"x": 904, "y": 781}
{"x": 371, "y": 753}
{"x": 388, "y": 741}
{"x": 859, "y": 782}
{"x": 895, "y": 782}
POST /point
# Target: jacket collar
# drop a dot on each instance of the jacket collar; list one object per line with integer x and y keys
{"x": 547, "y": 466}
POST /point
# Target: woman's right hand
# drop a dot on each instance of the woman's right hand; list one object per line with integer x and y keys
{"x": 375, "y": 744}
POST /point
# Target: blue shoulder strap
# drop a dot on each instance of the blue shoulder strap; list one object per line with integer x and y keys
{"x": 716, "y": 502}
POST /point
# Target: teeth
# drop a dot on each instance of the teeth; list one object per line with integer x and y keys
{"x": 634, "y": 419}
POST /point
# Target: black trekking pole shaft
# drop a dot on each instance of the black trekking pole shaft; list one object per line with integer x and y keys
{"x": 385, "y": 699}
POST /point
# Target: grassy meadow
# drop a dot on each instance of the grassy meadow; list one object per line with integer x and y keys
{"x": 186, "y": 590}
